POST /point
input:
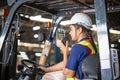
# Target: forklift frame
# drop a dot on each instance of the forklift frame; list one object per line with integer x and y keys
{"x": 102, "y": 33}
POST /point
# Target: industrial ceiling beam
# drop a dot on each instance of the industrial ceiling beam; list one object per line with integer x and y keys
{"x": 82, "y": 3}
{"x": 42, "y": 8}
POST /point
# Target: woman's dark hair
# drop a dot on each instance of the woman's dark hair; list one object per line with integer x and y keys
{"x": 88, "y": 34}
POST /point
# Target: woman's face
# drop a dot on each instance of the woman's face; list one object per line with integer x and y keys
{"x": 73, "y": 33}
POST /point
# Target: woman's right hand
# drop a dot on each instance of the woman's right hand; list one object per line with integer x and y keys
{"x": 43, "y": 68}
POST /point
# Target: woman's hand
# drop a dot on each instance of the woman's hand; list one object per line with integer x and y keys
{"x": 64, "y": 48}
{"x": 43, "y": 68}
{"x": 59, "y": 43}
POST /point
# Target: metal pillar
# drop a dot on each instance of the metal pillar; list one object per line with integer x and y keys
{"x": 4, "y": 67}
{"x": 103, "y": 40}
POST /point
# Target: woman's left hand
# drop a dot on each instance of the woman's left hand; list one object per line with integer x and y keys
{"x": 64, "y": 48}
{"x": 43, "y": 68}
{"x": 60, "y": 43}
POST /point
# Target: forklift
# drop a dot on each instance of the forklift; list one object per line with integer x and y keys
{"x": 108, "y": 57}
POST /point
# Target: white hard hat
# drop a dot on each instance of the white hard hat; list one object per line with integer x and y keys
{"x": 81, "y": 19}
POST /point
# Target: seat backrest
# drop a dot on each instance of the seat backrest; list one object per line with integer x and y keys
{"x": 90, "y": 67}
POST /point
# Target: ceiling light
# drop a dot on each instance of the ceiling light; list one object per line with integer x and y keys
{"x": 111, "y": 30}
{"x": 114, "y": 31}
{"x": 36, "y": 36}
{"x": 36, "y": 28}
{"x": 21, "y": 15}
{"x": 35, "y": 17}
{"x": 27, "y": 16}
{"x": 119, "y": 40}
{"x": 112, "y": 45}
{"x": 39, "y": 18}
{"x": 43, "y": 19}
{"x": 23, "y": 54}
{"x": 38, "y": 54}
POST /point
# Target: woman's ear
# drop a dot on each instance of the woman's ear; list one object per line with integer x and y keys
{"x": 80, "y": 30}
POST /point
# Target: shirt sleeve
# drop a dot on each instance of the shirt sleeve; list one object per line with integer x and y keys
{"x": 72, "y": 59}
{"x": 77, "y": 54}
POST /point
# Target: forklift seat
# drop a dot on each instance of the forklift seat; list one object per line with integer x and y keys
{"x": 90, "y": 67}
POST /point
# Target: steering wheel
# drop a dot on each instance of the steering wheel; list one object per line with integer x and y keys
{"x": 34, "y": 65}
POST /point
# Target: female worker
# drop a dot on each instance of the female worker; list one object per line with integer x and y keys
{"x": 80, "y": 25}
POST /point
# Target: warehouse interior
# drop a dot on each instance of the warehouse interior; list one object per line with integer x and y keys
{"x": 35, "y": 23}
{"x": 48, "y": 8}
